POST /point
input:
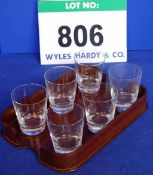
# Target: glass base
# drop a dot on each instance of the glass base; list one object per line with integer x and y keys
{"x": 32, "y": 132}
{"x": 95, "y": 129}
{"x": 59, "y": 110}
{"x": 121, "y": 108}
{"x": 89, "y": 91}
{"x": 67, "y": 151}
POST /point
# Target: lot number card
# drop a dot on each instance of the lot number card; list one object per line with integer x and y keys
{"x": 66, "y": 27}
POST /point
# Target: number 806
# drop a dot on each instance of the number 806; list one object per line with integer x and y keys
{"x": 96, "y": 37}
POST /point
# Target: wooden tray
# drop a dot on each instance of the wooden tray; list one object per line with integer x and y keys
{"x": 92, "y": 143}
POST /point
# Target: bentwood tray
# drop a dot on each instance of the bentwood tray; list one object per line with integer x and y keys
{"x": 92, "y": 143}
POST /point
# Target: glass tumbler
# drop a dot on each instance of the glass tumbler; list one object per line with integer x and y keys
{"x": 125, "y": 77}
{"x": 61, "y": 86}
{"x": 99, "y": 107}
{"x": 89, "y": 69}
{"x": 30, "y": 109}
{"x": 66, "y": 130}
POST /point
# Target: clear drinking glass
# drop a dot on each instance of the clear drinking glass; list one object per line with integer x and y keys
{"x": 125, "y": 77}
{"x": 66, "y": 130}
{"x": 61, "y": 86}
{"x": 30, "y": 110}
{"x": 89, "y": 68}
{"x": 99, "y": 107}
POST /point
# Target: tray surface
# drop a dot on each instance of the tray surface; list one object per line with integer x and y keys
{"x": 92, "y": 143}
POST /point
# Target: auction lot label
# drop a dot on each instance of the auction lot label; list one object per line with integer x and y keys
{"x": 66, "y": 27}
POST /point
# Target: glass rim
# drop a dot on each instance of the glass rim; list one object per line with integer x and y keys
{"x": 81, "y": 118}
{"x": 84, "y": 63}
{"x": 93, "y": 64}
{"x": 98, "y": 101}
{"x": 127, "y": 78}
{"x": 28, "y": 84}
{"x": 57, "y": 67}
